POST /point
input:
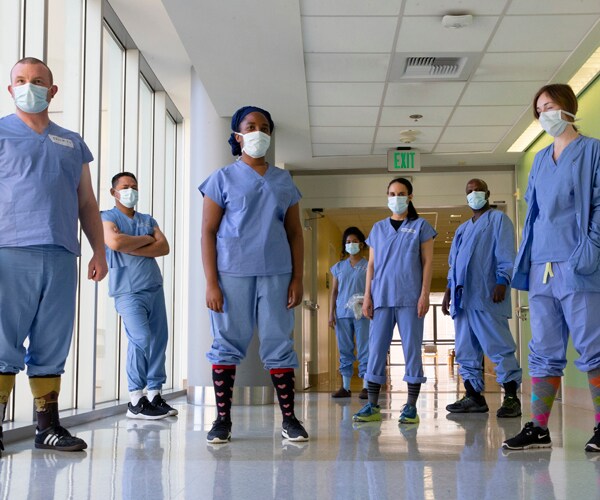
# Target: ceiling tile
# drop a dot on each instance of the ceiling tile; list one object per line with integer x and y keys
{"x": 399, "y": 116}
{"x": 478, "y": 147}
{"x": 342, "y": 135}
{"x": 485, "y": 115}
{"x": 438, "y": 39}
{"x": 554, "y": 7}
{"x": 344, "y": 94}
{"x": 540, "y": 33}
{"x": 350, "y": 7}
{"x": 518, "y": 66}
{"x": 500, "y": 93}
{"x": 341, "y": 149}
{"x": 456, "y": 135}
{"x": 390, "y": 135}
{"x": 443, "y": 7}
{"x": 346, "y": 67}
{"x": 382, "y": 149}
{"x": 327, "y": 116}
{"x": 348, "y": 34}
{"x": 423, "y": 94}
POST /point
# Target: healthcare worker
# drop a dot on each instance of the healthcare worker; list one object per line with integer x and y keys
{"x": 133, "y": 241}
{"x": 481, "y": 263}
{"x": 45, "y": 188}
{"x": 558, "y": 262}
{"x": 252, "y": 251}
{"x": 397, "y": 293}
{"x": 348, "y": 283}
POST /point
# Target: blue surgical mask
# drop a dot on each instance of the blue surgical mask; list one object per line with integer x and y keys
{"x": 128, "y": 197}
{"x": 352, "y": 248}
{"x": 398, "y": 204}
{"x": 476, "y": 199}
{"x": 552, "y": 121}
{"x": 30, "y": 98}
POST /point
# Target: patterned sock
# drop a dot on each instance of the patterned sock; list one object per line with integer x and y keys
{"x": 284, "y": 382}
{"x": 346, "y": 382}
{"x": 510, "y": 388}
{"x": 223, "y": 378}
{"x": 543, "y": 393}
{"x": 594, "y": 381}
{"x": 373, "y": 391}
{"x": 413, "y": 394}
{"x": 45, "y": 391}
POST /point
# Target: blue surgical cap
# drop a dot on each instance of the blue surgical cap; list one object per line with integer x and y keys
{"x": 237, "y": 119}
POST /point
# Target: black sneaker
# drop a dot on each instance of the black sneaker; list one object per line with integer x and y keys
{"x": 593, "y": 445}
{"x": 511, "y": 407}
{"x": 530, "y": 437}
{"x": 159, "y": 402}
{"x": 220, "y": 431}
{"x": 58, "y": 438}
{"x": 145, "y": 410}
{"x": 468, "y": 405}
{"x": 293, "y": 430}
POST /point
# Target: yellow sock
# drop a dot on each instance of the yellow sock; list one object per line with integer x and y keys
{"x": 7, "y": 382}
{"x": 45, "y": 390}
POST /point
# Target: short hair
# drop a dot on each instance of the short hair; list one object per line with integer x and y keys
{"x": 561, "y": 93}
{"x": 115, "y": 179}
{"x": 481, "y": 182}
{"x": 33, "y": 60}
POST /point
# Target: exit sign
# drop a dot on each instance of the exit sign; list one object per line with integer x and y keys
{"x": 403, "y": 160}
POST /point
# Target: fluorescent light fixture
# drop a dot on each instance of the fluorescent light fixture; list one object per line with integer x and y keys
{"x": 455, "y": 216}
{"x": 578, "y": 83}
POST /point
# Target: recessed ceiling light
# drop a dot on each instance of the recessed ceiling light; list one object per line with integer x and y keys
{"x": 455, "y": 216}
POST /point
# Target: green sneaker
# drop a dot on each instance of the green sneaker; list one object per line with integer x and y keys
{"x": 368, "y": 413}
{"x": 409, "y": 415}
{"x": 511, "y": 407}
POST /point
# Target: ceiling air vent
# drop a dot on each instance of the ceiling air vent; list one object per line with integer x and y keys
{"x": 431, "y": 67}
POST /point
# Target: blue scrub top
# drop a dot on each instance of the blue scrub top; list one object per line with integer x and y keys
{"x": 251, "y": 240}
{"x": 351, "y": 280}
{"x": 39, "y": 177}
{"x": 131, "y": 273}
{"x": 398, "y": 272}
{"x": 555, "y": 230}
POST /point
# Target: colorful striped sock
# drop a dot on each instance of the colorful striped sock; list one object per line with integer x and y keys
{"x": 543, "y": 393}
{"x": 594, "y": 380}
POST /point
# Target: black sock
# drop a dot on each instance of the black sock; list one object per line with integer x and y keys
{"x": 510, "y": 388}
{"x": 284, "y": 382}
{"x": 373, "y": 392}
{"x": 223, "y": 378}
{"x": 471, "y": 392}
{"x": 413, "y": 394}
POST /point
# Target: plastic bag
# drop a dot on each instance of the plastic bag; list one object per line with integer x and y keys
{"x": 355, "y": 304}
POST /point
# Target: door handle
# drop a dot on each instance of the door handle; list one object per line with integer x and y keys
{"x": 522, "y": 313}
{"x": 311, "y": 306}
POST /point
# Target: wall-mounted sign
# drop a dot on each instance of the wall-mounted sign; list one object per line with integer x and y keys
{"x": 403, "y": 160}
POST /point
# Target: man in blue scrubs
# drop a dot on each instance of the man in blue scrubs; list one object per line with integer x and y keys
{"x": 133, "y": 242}
{"x": 478, "y": 299}
{"x": 45, "y": 188}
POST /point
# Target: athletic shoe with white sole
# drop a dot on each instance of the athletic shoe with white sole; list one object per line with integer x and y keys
{"x": 159, "y": 402}
{"x": 293, "y": 430}
{"x": 58, "y": 438}
{"x": 145, "y": 410}
{"x": 530, "y": 437}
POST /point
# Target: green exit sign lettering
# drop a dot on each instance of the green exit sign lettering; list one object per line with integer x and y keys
{"x": 403, "y": 160}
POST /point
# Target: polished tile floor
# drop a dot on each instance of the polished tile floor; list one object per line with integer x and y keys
{"x": 442, "y": 457}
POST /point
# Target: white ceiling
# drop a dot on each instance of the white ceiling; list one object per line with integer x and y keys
{"x": 324, "y": 70}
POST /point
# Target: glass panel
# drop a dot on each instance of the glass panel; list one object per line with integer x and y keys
{"x": 145, "y": 146}
{"x": 111, "y": 143}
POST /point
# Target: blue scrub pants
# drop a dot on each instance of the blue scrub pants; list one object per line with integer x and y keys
{"x": 345, "y": 331}
{"x": 479, "y": 332}
{"x": 145, "y": 318}
{"x": 557, "y": 311}
{"x": 380, "y": 339}
{"x": 37, "y": 301}
{"x": 250, "y": 302}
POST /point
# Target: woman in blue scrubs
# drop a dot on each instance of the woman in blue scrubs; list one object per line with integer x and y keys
{"x": 397, "y": 293}
{"x": 559, "y": 262}
{"x": 252, "y": 251}
{"x": 349, "y": 277}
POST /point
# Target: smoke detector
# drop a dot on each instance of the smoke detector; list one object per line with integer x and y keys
{"x": 408, "y": 136}
{"x": 457, "y": 22}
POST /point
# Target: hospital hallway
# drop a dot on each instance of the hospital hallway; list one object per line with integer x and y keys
{"x": 441, "y": 457}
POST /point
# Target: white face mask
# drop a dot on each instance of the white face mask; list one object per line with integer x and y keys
{"x": 30, "y": 98}
{"x": 256, "y": 143}
{"x": 476, "y": 199}
{"x": 128, "y": 197}
{"x": 553, "y": 123}
{"x": 398, "y": 204}
{"x": 352, "y": 248}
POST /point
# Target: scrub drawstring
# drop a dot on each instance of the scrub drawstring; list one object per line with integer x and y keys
{"x": 548, "y": 272}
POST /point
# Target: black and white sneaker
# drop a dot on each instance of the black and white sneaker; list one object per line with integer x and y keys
{"x": 530, "y": 437}
{"x": 145, "y": 410}
{"x": 58, "y": 438}
{"x": 220, "y": 431}
{"x": 159, "y": 402}
{"x": 293, "y": 430}
{"x": 468, "y": 404}
{"x": 593, "y": 445}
